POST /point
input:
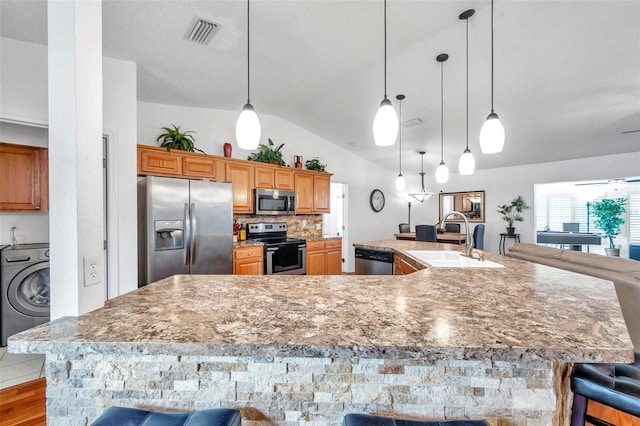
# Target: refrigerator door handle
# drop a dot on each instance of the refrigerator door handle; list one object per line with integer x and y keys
{"x": 194, "y": 232}
{"x": 187, "y": 234}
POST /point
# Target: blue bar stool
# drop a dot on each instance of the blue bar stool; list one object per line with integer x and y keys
{"x": 613, "y": 385}
{"x": 355, "y": 419}
{"x": 124, "y": 416}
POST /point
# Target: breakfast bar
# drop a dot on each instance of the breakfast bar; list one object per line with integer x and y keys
{"x": 493, "y": 343}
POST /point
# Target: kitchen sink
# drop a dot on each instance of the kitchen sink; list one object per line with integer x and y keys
{"x": 451, "y": 259}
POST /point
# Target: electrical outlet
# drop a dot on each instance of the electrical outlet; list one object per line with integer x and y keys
{"x": 318, "y": 226}
{"x": 92, "y": 266}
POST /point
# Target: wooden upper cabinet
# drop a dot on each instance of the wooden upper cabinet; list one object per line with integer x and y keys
{"x": 241, "y": 177}
{"x": 204, "y": 167}
{"x": 24, "y": 178}
{"x": 321, "y": 193}
{"x": 157, "y": 161}
{"x": 284, "y": 179}
{"x": 304, "y": 193}
{"x": 274, "y": 178}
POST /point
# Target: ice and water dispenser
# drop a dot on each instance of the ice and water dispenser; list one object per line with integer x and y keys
{"x": 169, "y": 234}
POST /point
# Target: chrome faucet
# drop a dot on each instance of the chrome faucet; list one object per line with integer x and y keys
{"x": 469, "y": 251}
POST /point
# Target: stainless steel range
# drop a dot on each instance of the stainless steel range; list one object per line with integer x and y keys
{"x": 282, "y": 255}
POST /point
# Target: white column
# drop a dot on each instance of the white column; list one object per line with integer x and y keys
{"x": 75, "y": 154}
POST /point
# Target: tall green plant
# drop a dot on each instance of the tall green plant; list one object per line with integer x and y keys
{"x": 511, "y": 211}
{"x": 608, "y": 216}
{"x": 175, "y": 139}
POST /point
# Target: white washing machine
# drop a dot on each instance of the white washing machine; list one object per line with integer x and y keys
{"x": 24, "y": 279}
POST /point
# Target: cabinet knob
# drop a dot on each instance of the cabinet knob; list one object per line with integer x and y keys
{"x": 37, "y": 207}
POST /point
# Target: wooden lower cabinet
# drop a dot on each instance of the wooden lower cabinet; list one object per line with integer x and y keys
{"x": 401, "y": 267}
{"x": 324, "y": 257}
{"x": 24, "y": 178}
{"x": 248, "y": 261}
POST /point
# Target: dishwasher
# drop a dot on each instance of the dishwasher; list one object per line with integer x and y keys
{"x": 374, "y": 262}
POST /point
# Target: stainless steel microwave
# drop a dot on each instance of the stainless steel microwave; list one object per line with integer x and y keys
{"x": 274, "y": 202}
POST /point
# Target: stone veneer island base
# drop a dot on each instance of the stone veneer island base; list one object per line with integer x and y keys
{"x": 295, "y": 350}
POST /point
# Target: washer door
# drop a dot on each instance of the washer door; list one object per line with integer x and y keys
{"x": 28, "y": 291}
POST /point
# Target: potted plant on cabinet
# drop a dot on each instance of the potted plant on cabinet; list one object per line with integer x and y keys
{"x": 511, "y": 212}
{"x": 175, "y": 139}
{"x": 268, "y": 153}
{"x": 608, "y": 217}
{"x": 315, "y": 164}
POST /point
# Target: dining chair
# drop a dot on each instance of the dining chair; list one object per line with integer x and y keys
{"x": 404, "y": 227}
{"x": 426, "y": 233}
{"x": 478, "y": 237}
{"x": 452, "y": 227}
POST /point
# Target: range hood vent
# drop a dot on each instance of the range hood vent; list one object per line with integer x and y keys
{"x": 201, "y": 31}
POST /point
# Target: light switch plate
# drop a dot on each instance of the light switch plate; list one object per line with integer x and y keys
{"x": 93, "y": 271}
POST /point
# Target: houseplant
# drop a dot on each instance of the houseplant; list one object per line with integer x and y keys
{"x": 315, "y": 164}
{"x": 608, "y": 217}
{"x": 511, "y": 212}
{"x": 269, "y": 153}
{"x": 175, "y": 139}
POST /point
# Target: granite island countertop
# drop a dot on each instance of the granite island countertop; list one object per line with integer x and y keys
{"x": 522, "y": 312}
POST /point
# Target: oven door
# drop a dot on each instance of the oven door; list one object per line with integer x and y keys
{"x": 287, "y": 258}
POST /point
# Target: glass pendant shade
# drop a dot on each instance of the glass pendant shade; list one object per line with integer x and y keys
{"x": 385, "y": 124}
{"x": 401, "y": 183}
{"x": 442, "y": 173}
{"x": 248, "y": 129}
{"x": 467, "y": 164}
{"x": 492, "y": 135}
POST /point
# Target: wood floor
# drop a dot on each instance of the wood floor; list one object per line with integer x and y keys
{"x": 24, "y": 405}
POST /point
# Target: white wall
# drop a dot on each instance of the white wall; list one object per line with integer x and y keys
{"x": 215, "y": 127}
{"x": 23, "y": 96}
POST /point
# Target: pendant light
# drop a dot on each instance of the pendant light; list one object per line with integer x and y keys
{"x": 492, "y": 131}
{"x": 385, "y": 123}
{"x": 421, "y": 196}
{"x": 248, "y": 124}
{"x": 467, "y": 163}
{"x": 401, "y": 183}
{"x": 442, "y": 172}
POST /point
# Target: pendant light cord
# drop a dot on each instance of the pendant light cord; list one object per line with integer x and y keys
{"x": 385, "y": 49}
{"x": 400, "y": 136}
{"x": 492, "y": 56}
{"x": 467, "y": 58}
{"x": 248, "y": 56}
{"x": 441, "y": 111}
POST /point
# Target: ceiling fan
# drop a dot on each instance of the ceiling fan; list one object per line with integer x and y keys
{"x": 614, "y": 183}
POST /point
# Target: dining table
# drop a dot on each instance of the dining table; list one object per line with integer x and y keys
{"x": 444, "y": 237}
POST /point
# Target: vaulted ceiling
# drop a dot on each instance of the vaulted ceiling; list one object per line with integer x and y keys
{"x": 567, "y": 73}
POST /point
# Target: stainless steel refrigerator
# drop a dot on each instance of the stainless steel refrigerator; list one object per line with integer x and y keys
{"x": 184, "y": 227}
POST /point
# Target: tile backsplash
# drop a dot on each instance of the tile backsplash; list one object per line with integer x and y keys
{"x": 301, "y": 226}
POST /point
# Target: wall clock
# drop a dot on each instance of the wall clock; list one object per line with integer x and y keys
{"x": 376, "y": 200}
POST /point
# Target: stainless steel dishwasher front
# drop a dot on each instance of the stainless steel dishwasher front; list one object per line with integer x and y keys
{"x": 374, "y": 262}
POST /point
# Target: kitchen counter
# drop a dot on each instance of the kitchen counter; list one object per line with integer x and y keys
{"x": 323, "y": 238}
{"x": 247, "y": 243}
{"x": 488, "y": 326}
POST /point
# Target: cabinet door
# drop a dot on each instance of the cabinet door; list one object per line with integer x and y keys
{"x": 248, "y": 267}
{"x": 23, "y": 178}
{"x": 304, "y": 193}
{"x": 284, "y": 179}
{"x": 159, "y": 162}
{"x": 201, "y": 167}
{"x": 315, "y": 262}
{"x": 263, "y": 177}
{"x": 241, "y": 178}
{"x": 321, "y": 193}
{"x": 333, "y": 261}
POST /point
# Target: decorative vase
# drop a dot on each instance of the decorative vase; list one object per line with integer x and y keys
{"x": 297, "y": 161}
{"x": 511, "y": 230}
{"x": 227, "y": 149}
{"x": 614, "y": 252}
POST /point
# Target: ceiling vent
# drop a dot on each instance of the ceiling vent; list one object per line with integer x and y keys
{"x": 201, "y": 31}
